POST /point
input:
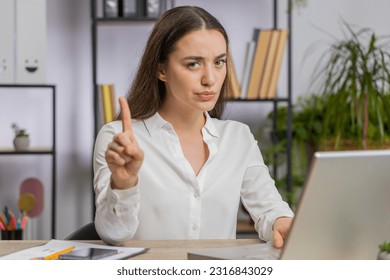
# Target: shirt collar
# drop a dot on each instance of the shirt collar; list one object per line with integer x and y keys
{"x": 210, "y": 126}
{"x": 156, "y": 122}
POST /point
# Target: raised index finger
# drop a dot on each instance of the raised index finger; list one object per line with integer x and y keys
{"x": 125, "y": 114}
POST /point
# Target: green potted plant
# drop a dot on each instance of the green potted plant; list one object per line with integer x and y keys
{"x": 384, "y": 251}
{"x": 21, "y": 141}
{"x": 350, "y": 110}
{"x": 307, "y": 127}
{"x": 356, "y": 81}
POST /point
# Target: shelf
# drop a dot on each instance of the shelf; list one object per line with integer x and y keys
{"x": 125, "y": 19}
{"x": 37, "y": 151}
{"x": 27, "y": 85}
{"x": 30, "y": 151}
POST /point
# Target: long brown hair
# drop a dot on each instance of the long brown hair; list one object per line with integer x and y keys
{"x": 147, "y": 92}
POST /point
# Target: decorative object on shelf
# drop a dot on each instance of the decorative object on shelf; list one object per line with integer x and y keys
{"x": 22, "y": 139}
{"x": 111, "y": 8}
{"x": 31, "y": 197}
{"x": 26, "y": 202}
{"x": 153, "y": 8}
{"x": 356, "y": 81}
{"x": 384, "y": 251}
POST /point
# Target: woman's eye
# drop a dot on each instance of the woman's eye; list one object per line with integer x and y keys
{"x": 193, "y": 65}
{"x": 221, "y": 62}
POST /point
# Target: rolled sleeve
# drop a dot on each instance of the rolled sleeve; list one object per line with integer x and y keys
{"x": 116, "y": 217}
{"x": 261, "y": 198}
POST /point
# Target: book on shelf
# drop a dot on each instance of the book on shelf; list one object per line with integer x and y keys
{"x": 268, "y": 65}
{"x": 277, "y": 63}
{"x": 249, "y": 55}
{"x": 262, "y": 68}
{"x": 233, "y": 85}
{"x": 107, "y": 101}
{"x": 259, "y": 60}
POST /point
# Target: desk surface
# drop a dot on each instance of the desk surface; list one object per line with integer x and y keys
{"x": 159, "y": 249}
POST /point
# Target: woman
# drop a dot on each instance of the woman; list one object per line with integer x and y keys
{"x": 172, "y": 169}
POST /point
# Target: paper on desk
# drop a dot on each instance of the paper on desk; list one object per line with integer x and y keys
{"x": 55, "y": 245}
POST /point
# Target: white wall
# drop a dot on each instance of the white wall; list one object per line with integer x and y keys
{"x": 69, "y": 54}
{"x": 315, "y": 25}
{"x": 120, "y": 46}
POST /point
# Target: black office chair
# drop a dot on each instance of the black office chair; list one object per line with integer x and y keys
{"x": 86, "y": 232}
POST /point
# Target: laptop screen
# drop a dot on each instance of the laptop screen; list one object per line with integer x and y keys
{"x": 344, "y": 209}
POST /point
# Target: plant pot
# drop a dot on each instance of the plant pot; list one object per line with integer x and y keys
{"x": 383, "y": 256}
{"x": 21, "y": 143}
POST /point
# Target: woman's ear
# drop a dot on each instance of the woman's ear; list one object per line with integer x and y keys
{"x": 161, "y": 73}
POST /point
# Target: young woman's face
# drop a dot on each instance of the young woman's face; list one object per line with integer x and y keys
{"x": 195, "y": 71}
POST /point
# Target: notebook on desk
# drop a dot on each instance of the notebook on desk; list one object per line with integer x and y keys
{"x": 343, "y": 212}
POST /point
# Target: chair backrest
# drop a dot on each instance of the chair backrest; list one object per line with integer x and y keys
{"x": 86, "y": 232}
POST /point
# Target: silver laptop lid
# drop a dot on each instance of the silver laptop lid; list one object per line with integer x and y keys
{"x": 344, "y": 210}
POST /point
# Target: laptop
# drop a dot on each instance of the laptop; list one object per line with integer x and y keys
{"x": 343, "y": 212}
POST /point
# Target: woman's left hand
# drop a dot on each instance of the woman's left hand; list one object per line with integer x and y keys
{"x": 280, "y": 230}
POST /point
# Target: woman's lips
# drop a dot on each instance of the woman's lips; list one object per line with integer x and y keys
{"x": 206, "y": 96}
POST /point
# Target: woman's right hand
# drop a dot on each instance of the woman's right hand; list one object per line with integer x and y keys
{"x": 123, "y": 155}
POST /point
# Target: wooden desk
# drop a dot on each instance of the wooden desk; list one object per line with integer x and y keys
{"x": 159, "y": 249}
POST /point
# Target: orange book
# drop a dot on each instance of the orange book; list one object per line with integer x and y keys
{"x": 233, "y": 86}
{"x": 268, "y": 65}
{"x": 277, "y": 64}
{"x": 258, "y": 64}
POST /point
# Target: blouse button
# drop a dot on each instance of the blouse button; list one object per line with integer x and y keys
{"x": 195, "y": 227}
{"x": 196, "y": 195}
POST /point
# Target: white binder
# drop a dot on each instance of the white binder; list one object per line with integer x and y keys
{"x": 31, "y": 41}
{"x": 7, "y": 45}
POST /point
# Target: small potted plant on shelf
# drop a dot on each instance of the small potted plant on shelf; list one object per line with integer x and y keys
{"x": 384, "y": 251}
{"x": 21, "y": 140}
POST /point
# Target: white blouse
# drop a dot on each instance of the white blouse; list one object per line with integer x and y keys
{"x": 170, "y": 201}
